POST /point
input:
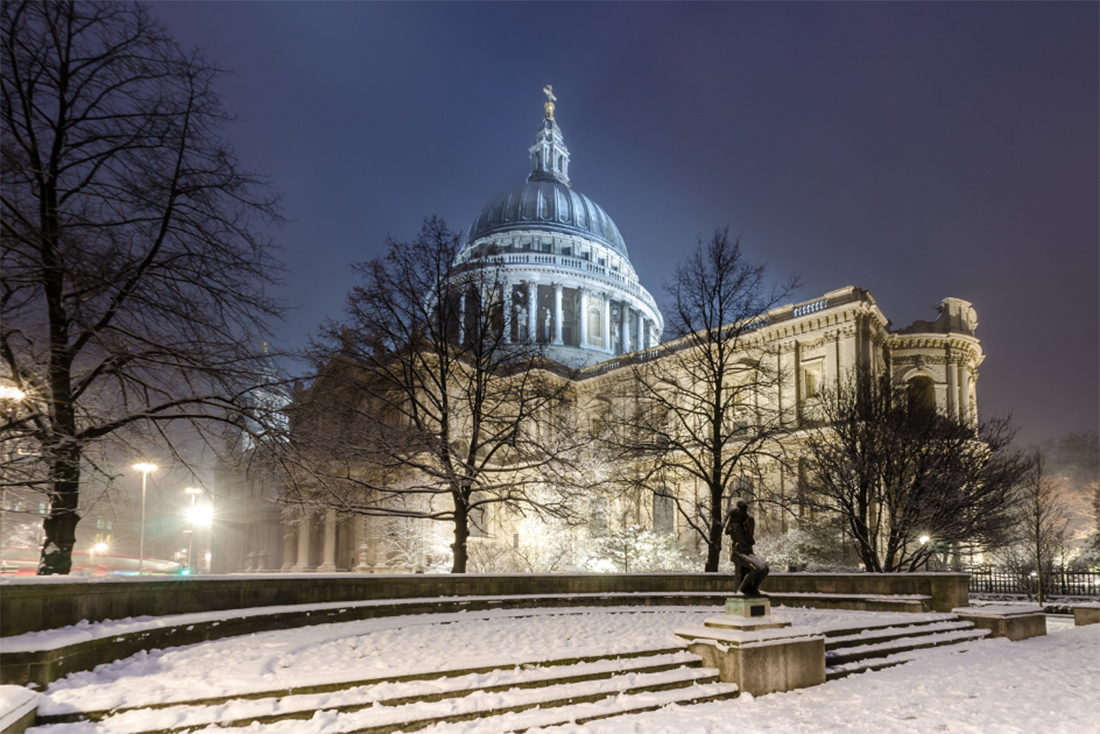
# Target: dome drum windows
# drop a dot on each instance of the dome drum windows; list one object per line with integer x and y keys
{"x": 595, "y": 327}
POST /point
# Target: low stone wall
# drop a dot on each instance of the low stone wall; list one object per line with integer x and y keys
{"x": 948, "y": 590}
{"x": 1086, "y": 614}
{"x": 60, "y": 602}
{"x": 1014, "y": 622}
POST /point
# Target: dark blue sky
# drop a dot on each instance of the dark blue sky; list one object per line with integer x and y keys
{"x": 917, "y": 150}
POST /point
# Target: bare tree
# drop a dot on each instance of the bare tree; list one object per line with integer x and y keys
{"x": 438, "y": 415}
{"x": 1073, "y": 462}
{"x": 893, "y": 470}
{"x": 704, "y": 409}
{"x": 133, "y": 266}
{"x": 1044, "y": 517}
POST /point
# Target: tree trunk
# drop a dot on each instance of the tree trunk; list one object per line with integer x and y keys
{"x": 462, "y": 533}
{"x": 60, "y": 523}
{"x": 714, "y": 541}
{"x": 1039, "y": 549}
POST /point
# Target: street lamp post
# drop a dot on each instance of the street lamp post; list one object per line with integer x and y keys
{"x": 144, "y": 469}
{"x": 10, "y": 395}
{"x": 194, "y": 492}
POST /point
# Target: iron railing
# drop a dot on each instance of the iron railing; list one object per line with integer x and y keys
{"x": 1059, "y": 582}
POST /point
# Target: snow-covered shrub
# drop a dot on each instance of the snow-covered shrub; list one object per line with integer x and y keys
{"x": 636, "y": 550}
{"x": 810, "y": 546}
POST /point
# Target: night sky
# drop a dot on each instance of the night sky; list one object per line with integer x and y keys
{"x": 917, "y": 150}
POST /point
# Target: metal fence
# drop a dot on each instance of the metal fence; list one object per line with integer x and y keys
{"x": 1056, "y": 583}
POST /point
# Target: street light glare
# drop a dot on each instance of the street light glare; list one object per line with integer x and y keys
{"x": 7, "y": 392}
{"x": 100, "y": 548}
{"x": 201, "y": 515}
{"x": 192, "y": 490}
{"x": 145, "y": 468}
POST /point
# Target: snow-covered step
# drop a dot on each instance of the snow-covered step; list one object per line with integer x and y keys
{"x": 885, "y": 647}
{"x": 581, "y": 713}
{"x": 418, "y": 686}
{"x": 857, "y": 653}
{"x": 864, "y": 666}
{"x": 887, "y": 634}
{"x": 870, "y": 627}
{"x": 410, "y": 706}
{"x": 505, "y": 720}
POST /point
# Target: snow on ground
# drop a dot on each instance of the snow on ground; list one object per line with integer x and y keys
{"x": 1046, "y": 684}
{"x": 390, "y": 646}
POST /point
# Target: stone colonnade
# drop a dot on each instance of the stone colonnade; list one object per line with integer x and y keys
{"x": 961, "y": 399}
{"x": 633, "y": 329}
{"x": 298, "y": 546}
{"x": 334, "y": 543}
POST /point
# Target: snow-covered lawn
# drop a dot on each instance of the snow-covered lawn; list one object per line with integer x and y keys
{"x": 1046, "y": 684}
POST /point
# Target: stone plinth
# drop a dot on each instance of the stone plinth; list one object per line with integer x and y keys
{"x": 745, "y": 624}
{"x": 1086, "y": 614}
{"x": 1014, "y": 622}
{"x": 761, "y": 660}
{"x": 748, "y": 606}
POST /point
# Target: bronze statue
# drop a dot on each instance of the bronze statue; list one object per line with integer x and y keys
{"x": 752, "y": 568}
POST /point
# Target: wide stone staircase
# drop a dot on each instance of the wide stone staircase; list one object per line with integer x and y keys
{"x": 866, "y": 648}
{"x": 504, "y": 699}
{"x": 510, "y": 698}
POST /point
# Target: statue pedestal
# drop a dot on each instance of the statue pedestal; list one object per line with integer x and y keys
{"x": 759, "y": 654}
{"x": 751, "y": 607}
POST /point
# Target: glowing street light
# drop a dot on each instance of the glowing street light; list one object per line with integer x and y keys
{"x": 8, "y": 392}
{"x": 97, "y": 548}
{"x": 194, "y": 492}
{"x": 144, "y": 469}
{"x": 9, "y": 397}
{"x": 924, "y": 539}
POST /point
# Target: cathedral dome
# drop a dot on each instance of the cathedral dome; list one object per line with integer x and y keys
{"x": 547, "y": 205}
{"x": 561, "y": 275}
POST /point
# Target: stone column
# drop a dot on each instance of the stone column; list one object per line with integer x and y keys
{"x": 641, "y": 331}
{"x": 328, "y": 563}
{"x": 952, "y": 387}
{"x": 558, "y": 287}
{"x": 506, "y": 291}
{"x": 532, "y": 311}
{"x": 303, "y": 547}
{"x": 788, "y": 387}
{"x": 847, "y": 355}
{"x": 289, "y": 545}
{"x": 462, "y": 318}
{"x": 964, "y": 393}
{"x": 607, "y": 323}
{"x": 624, "y": 328}
{"x": 831, "y": 369}
{"x": 584, "y": 318}
{"x": 361, "y": 536}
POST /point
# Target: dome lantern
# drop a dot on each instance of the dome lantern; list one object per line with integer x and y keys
{"x": 549, "y": 156}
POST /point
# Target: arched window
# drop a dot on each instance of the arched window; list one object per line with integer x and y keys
{"x": 921, "y": 393}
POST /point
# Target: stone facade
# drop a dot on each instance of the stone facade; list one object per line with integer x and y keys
{"x": 569, "y": 287}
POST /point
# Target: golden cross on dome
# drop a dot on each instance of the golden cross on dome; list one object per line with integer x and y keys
{"x": 550, "y": 100}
